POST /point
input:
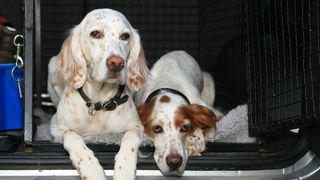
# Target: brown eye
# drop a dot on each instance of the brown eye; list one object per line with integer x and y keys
{"x": 96, "y": 34}
{"x": 157, "y": 129}
{"x": 185, "y": 128}
{"x": 124, "y": 36}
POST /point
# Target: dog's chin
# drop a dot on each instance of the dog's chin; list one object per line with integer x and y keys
{"x": 175, "y": 173}
{"x": 167, "y": 171}
{"x": 115, "y": 78}
{"x": 113, "y": 81}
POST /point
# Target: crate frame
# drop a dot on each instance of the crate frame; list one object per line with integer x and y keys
{"x": 215, "y": 159}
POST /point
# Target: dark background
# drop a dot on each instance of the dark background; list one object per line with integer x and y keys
{"x": 211, "y": 31}
{"x": 267, "y": 48}
{"x": 13, "y": 11}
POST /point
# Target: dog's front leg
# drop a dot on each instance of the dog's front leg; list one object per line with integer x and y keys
{"x": 126, "y": 159}
{"x": 82, "y": 157}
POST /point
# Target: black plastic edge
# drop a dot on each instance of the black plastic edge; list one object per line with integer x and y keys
{"x": 248, "y": 159}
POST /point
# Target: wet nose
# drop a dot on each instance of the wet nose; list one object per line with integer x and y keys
{"x": 174, "y": 161}
{"x": 115, "y": 63}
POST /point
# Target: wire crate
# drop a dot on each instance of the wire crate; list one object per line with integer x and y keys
{"x": 283, "y": 64}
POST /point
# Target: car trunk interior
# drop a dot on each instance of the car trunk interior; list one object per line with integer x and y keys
{"x": 264, "y": 54}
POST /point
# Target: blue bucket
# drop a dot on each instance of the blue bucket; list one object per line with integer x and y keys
{"x": 11, "y": 109}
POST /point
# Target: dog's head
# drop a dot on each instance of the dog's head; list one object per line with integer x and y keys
{"x": 178, "y": 130}
{"x": 104, "y": 47}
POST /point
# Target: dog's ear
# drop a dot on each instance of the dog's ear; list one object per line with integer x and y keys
{"x": 137, "y": 65}
{"x": 145, "y": 112}
{"x": 71, "y": 60}
{"x": 204, "y": 119}
{"x": 203, "y": 124}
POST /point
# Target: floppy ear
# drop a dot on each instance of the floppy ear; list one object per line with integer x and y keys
{"x": 137, "y": 65}
{"x": 145, "y": 112}
{"x": 203, "y": 118}
{"x": 71, "y": 59}
{"x": 204, "y": 127}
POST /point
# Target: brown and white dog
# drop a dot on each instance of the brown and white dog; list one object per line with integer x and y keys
{"x": 87, "y": 81}
{"x": 174, "y": 106}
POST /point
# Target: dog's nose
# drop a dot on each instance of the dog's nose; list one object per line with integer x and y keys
{"x": 174, "y": 161}
{"x": 115, "y": 63}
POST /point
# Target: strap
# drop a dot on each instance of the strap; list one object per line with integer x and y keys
{"x": 158, "y": 91}
{"x": 110, "y": 105}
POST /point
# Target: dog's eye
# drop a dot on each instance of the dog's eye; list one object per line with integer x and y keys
{"x": 157, "y": 129}
{"x": 185, "y": 128}
{"x": 96, "y": 34}
{"x": 124, "y": 36}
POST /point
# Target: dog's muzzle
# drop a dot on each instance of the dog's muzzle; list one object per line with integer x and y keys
{"x": 115, "y": 63}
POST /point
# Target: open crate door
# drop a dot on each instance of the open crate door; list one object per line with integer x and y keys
{"x": 283, "y": 65}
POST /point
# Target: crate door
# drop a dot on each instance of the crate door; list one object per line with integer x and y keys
{"x": 283, "y": 64}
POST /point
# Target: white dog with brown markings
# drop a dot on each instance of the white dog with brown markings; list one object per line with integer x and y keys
{"x": 174, "y": 106}
{"x": 87, "y": 82}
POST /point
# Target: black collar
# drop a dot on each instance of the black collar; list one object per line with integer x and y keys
{"x": 158, "y": 91}
{"x": 106, "y": 106}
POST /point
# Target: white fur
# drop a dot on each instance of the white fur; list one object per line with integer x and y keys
{"x": 82, "y": 63}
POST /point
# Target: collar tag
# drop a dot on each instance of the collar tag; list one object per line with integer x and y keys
{"x": 91, "y": 107}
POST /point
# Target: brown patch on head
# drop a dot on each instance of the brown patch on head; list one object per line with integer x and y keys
{"x": 200, "y": 116}
{"x": 145, "y": 112}
{"x": 165, "y": 99}
{"x": 203, "y": 117}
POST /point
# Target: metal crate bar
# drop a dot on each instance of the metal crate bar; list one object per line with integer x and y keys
{"x": 283, "y": 64}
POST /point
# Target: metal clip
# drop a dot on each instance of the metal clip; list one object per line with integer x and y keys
{"x": 91, "y": 109}
{"x": 19, "y": 61}
{"x": 19, "y": 44}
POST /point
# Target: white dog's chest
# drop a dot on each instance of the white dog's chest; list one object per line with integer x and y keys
{"x": 101, "y": 121}
{"x": 112, "y": 121}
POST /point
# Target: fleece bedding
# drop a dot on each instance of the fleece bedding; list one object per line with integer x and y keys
{"x": 232, "y": 128}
